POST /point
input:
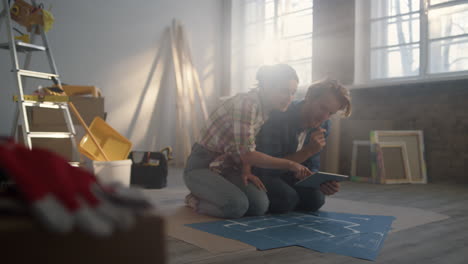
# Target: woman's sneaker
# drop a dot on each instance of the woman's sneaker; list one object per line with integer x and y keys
{"x": 192, "y": 201}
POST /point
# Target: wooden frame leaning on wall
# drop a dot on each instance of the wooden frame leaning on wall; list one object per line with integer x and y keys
{"x": 361, "y": 162}
{"x": 392, "y": 165}
{"x": 414, "y": 146}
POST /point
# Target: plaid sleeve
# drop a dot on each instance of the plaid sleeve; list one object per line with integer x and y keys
{"x": 244, "y": 118}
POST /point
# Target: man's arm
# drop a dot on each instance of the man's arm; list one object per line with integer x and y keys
{"x": 315, "y": 145}
{"x": 313, "y": 162}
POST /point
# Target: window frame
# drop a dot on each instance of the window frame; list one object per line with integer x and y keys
{"x": 363, "y": 79}
{"x": 240, "y": 67}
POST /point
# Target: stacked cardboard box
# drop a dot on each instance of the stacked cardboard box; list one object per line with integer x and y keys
{"x": 52, "y": 120}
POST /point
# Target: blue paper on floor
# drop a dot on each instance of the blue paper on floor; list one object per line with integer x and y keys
{"x": 359, "y": 236}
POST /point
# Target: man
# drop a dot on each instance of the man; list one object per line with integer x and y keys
{"x": 299, "y": 134}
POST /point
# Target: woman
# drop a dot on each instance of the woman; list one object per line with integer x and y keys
{"x": 218, "y": 169}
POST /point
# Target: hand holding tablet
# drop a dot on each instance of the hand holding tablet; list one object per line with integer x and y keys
{"x": 318, "y": 178}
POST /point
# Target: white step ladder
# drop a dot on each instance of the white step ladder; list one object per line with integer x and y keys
{"x": 23, "y": 101}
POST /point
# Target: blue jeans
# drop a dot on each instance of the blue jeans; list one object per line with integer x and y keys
{"x": 221, "y": 195}
{"x": 285, "y": 197}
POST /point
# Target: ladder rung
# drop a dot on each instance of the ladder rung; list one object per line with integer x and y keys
{"x": 23, "y": 46}
{"x": 46, "y": 98}
{"x": 40, "y": 75}
{"x": 50, "y": 135}
{"x": 52, "y": 105}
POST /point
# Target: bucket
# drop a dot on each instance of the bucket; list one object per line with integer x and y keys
{"x": 113, "y": 171}
{"x": 116, "y": 146}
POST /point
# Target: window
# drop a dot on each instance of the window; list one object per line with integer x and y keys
{"x": 274, "y": 31}
{"x": 394, "y": 35}
{"x": 411, "y": 38}
{"x": 448, "y": 36}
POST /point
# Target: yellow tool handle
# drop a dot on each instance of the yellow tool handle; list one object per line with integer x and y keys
{"x": 77, "y": 114}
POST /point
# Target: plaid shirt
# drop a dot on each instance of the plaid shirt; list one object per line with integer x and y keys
{"x": 232, "y": 127}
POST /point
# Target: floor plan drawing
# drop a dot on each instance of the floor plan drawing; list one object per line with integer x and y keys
{"x": 359, "y": 236}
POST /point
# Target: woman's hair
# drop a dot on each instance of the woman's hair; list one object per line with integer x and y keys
{"x": 269, "y": 75}
{"x": 316, "y": 89}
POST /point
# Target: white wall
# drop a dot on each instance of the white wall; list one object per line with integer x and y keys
{"x": 113, "y": 44}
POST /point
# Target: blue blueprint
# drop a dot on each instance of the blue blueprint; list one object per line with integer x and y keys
{"x": 359, "y": 236}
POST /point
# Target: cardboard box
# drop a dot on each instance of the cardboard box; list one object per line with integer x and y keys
{"x": 61, "y": 146}
{"x": 52, "y": 120}
{"x": 88, "y": 107}
{"x": 23, "y": 240}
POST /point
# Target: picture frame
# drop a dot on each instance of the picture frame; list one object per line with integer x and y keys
{"x": 390, "y": 163}
{"x": 415, "y": 149}
{"x": 361, "y": 165}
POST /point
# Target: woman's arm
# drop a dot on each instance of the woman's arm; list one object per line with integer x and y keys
{"x": 300, "y": 156}
{"x": 248, "y": 176}
{"x": 262, "y": 160}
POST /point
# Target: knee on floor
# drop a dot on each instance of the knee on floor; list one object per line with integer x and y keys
{"x": 285, "y": 203}
{"x": 235, "y": 207}
{"x": 313, "y": 203}
{"x": 259, "y": 206}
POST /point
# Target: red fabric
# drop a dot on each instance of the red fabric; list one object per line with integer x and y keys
{"x": 39, "y": 173}
{"x": 54, "y": 170}
{"x": 14, "y": 159}
{"x": 84, "y": 181}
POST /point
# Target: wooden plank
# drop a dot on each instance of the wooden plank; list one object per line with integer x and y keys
{"x": 187, "y": 84}
{"x": 196, "y": 79}
{"x": 182, "y": 132}
{"x": 189, "y": 71}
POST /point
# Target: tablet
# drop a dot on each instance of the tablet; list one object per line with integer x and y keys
{"x": 314, "y": 181}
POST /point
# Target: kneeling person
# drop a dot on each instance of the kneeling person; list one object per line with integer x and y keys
{"x": 299, "y": 134}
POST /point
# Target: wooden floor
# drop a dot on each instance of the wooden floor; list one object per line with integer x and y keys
{"x": 439, "y": 242}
